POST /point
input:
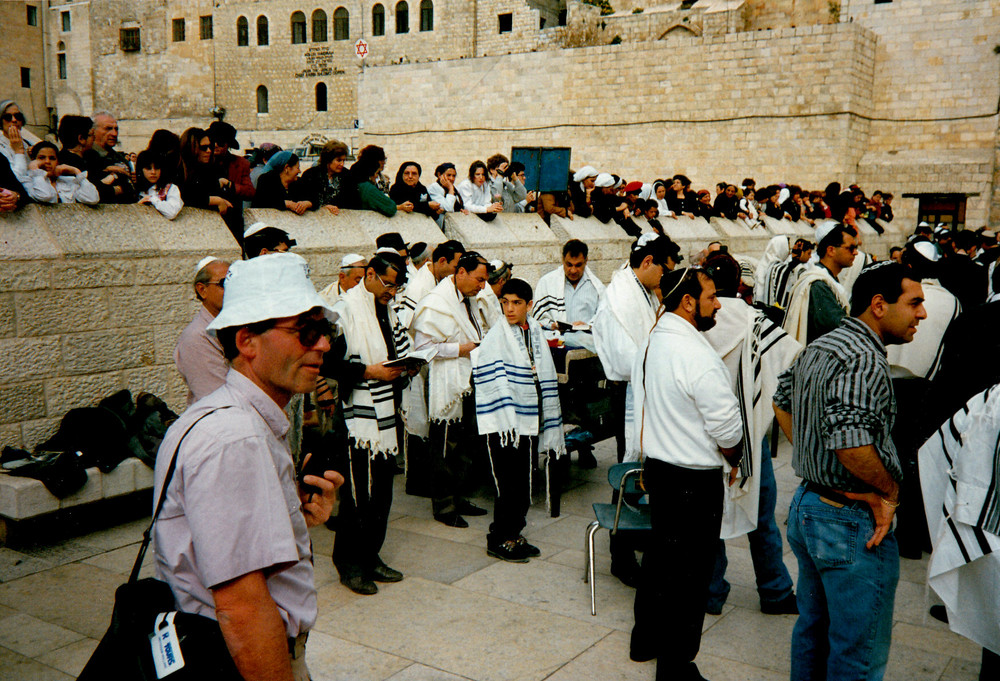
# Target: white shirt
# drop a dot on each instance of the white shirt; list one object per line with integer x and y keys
{"x": 476, "y": 199}
{"x": 447, "y": 201}
{"x": 581, "y": 300}
{"x": 685, "y": 409}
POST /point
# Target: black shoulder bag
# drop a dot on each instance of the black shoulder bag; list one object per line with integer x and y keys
{"x": 125, "y": 652}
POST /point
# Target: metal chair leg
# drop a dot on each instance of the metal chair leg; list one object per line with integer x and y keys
{"x": 591, "y": 530}
{"x": 586, "y": 549}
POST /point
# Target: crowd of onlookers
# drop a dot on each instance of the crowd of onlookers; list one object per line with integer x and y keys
{"x": 198, "y": 168}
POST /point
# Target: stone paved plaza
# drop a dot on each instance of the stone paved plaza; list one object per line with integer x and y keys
{"x": 459, "y": 614}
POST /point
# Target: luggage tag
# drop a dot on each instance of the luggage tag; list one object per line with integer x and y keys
{"x": 166, "y": 646}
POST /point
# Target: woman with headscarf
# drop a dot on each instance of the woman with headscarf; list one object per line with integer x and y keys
{"x": 407, "y": 190}
{"x": 581, "y": 190}
{"x": 776, "y": 253}
{"x": 12, "y": 145}
{"x": 659, "y": 194}
{"x": 279, "y": 187}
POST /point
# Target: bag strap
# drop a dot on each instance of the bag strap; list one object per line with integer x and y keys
{"x": 148, "y": 534}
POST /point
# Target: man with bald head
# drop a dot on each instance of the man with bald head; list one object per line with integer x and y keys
{"x": 198, "y": 355}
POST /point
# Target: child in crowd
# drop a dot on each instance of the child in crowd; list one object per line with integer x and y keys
{"x": 52, "y": 182}
{"x": 517, "y": 408}
{"x": 155, "y": 187}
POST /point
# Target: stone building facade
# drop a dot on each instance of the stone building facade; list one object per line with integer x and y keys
{"x": 22, "y": 66}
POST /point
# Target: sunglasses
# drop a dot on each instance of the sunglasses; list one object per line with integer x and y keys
{"x": 204, "y": 147}
{"x": 310, "y": 331}
{"x": 8, "y": 117}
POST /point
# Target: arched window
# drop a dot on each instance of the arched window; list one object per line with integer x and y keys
{"x": 321, "y": 97}
{"x": 262, "y": 100}
{"x": 262, "y": 33}
{"x": 242, "y": 32}
{"x": 402, "y": 17}
{"x": 341, "y": 24}
{"x": 319, "y": 26}
{"x": 378, "y": 20}
{"x": 61, "y": 61}
{"x": 298, "y": 28}
{"x": 426, "y": 15}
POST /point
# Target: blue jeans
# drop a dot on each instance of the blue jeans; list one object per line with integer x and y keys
{"x": 773, "y": 581}
{"x": 844, "y": 637}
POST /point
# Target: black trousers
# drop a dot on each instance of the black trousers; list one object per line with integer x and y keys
{"x": 512, "y": 474}
{"x": 686, "y": 513}
{"x": 452, "y": 448}
{"x": 363, "y": 515}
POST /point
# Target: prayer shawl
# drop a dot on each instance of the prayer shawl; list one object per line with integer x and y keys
{"x": 442, "y": 316}
{"x": 621, "y": 326}
{"x": 550, "y": 297}
{"x": 779, "y": 280}
{"x": 755, "y": 351}
{"x": 419, "y": 286}
{"x": 848, "y": 276}
{"x": 775, "y": 253}
{"x": 506, "y": 399}
{"x": 921, "y": 357}
{"x": 487, "y": 306}
{"x": 369, "y": 410}
{"x": 797, "y": 317}
{"x": 959, "y": 476}
{"x": 332, "y": 293}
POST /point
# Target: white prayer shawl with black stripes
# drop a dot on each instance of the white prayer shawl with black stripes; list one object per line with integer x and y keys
{"x": 506, "y": 398}
{"x": 779, "y": 281}
{"x": 418, "y": 286}
{"x": 921, "y": 357}
{"x": 369, "y": 410}
{"x": 443, "y": 316}
{"x": 550, "y": 297}
{"x": 488, "y": 308}
{"x": 775, "y": 253}
{"x": 959, "y": 476}
{"x": 755, "y": 351}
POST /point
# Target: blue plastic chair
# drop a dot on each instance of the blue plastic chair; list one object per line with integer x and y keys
{"x": 623, "y": 477}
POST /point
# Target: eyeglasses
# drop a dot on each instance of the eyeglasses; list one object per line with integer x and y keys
{"x": 310, "y": 331}
{"x": 221, "y": 284}
{"x": 388, "y": 287}
{"x": 204, "y": 147}
{"x": 8, "y": 117}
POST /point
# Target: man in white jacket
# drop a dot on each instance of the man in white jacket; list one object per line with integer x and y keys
{"x": 689, "y": 431}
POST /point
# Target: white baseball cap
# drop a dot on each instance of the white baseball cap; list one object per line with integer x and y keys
{"x": 604, "y": 180}
{"x": 271, "y": 286}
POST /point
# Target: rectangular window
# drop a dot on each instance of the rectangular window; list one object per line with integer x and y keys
{"x": 130, "y": 40}
{"x": 506, "y": 22}
{"x": 206, "y": 28}
{"x": 61, "y": 62}
{"x": 67, "y": 23}
{"x": 25, "y": 77}
{"x": 179, "y": 30}
{"x": 32, "y": 15}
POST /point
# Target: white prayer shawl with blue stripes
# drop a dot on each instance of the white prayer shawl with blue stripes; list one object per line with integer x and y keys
{"x": 369, "y": 410}
{"x": 959, "y": 476}
{"x": 506, "y": 399}
{"x": 755, "y": 351}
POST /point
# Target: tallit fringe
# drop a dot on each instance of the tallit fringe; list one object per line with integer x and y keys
{"x": 493, "y": 471}
{"x": 447, "y": 407}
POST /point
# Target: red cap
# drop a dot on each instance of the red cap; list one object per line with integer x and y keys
{"x": 633, "y": 187}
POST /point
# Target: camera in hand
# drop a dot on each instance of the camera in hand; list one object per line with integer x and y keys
{"x": 318, "y": 463}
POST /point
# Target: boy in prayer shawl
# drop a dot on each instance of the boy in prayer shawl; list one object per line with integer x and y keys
{"x": 517, "y": 409}
{"x": 755, "y": 351}
{"x": 446, "y": 321}
{"x": 370, "y": 335}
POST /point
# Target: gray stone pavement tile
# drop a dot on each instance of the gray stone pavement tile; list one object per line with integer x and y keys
{"x": 766, "y": 648}
{"x": 431, "y": 557}
{"x": 914, "y": 570}
{"x": 556, "y": 589}
{"x": 723, "y": 669}
{"x": 961, "y": 670}
{"x": 913, "y": 601}
{"x": 70, "y": 659}
{"x": 606, "y": 659}
{"x": 577, "y": 559}
{"x": 120, "y": 560}
{"x": 462, "y": 632}
{"x": 475, "y": 533}
{"x": 76, "y": 597}
{"x": 31, "y": 637}
{"x": 15, "y": 667}
{"x": 68, "y": 551}
{"x": 14, "y": 564}
{"x": 122, "y": 535}
{"x": 934, "y": 640}
{"x": 913, "y": 664}
{"x": 334, "y": 595}
{"x": 330, "y": 659}
{"x": 570, "y": 531}
{"x": 419, "y": 672}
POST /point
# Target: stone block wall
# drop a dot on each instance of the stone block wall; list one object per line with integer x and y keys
{"x": 24, "y": 48}
{"x": 777, "y": 105}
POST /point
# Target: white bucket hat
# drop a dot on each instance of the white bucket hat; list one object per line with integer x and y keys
{"x": 271, "y": 286}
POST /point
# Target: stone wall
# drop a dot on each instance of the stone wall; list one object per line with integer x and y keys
{"x": 23, "y": 48}
{"x": 777, "y": 105}
{"x": 92, "y": 300}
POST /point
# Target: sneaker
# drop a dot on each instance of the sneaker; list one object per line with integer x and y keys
{"x": 786, "y": 606}
{"x": 508, "y": 551}
{"x": 529, "y": 549}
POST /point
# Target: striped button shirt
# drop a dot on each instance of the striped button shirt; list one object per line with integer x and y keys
{"x": 840, "y": 396}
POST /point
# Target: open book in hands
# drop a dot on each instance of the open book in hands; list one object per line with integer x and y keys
{"x": 414, "y": 360}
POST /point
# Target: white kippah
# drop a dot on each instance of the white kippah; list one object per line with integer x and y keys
{"x": 645, "y": 239}
{"x": 204, "y": 263}
{"x": 928, "y": 250}
{"x": 824, "y": 229}
{"x": 254, "y": 228}
{"x": 351, "y": 260}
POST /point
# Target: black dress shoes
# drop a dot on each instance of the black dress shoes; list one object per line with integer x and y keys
{"x": 451, "y": 519}
{"x": 360, "y": 585}
{"x": 466, "y": 507}
{"x": 384, "y": 573}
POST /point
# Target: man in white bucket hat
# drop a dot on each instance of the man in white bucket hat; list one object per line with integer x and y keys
{"x": 232, "y": 540}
